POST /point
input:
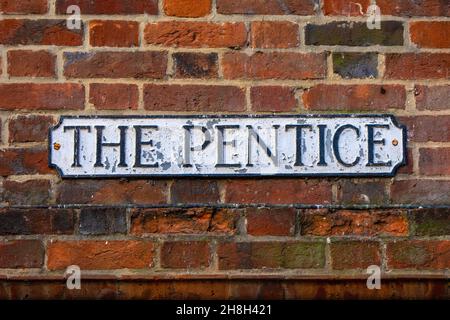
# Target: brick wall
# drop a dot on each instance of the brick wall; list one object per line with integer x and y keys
{"x": 219, "y": 238}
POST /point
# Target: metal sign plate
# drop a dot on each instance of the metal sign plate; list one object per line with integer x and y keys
{"x": 294, "y": 145}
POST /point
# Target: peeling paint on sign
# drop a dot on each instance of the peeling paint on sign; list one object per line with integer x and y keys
{"x": 297, "y": 145}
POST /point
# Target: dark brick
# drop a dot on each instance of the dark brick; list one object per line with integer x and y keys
{"x": 354, "y": 34}
{"x": 420, "y": 192}
{"x": 431, "y": 222}
{"x": 98, "y": 221}
{"x": 418, "y": 254}
{"x": 194, "y": 191}
{"x": 36, "y": 221}
{"x": 355, "y": 65}
{"x": 32, "y": 192}
{"x": 362, "y": 192}
{"x": 24, "y": 161}
{"x": 29, "y": 128}
{"x": 21, "y": 254}
{"x": 195, "y": 65}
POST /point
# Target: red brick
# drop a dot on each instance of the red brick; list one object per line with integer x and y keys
{"x": 194, "y": 191}
{"x": 196, "y": 65}
{"x": 200, "y": 98}
{"x": 110, "y": 7}
{"x": 185, "y": 255}
{"x": 29, "y": 128}
{"x": 27, "y": 63}
{"x": 420, "y": 192}
{"x": 432, "y": 97}
{"x": 273, "y": 99}
{"x": 114, "y": 33}
{"x": 187, "y": 8}
{"x": 272, "y": 7}
{"x": 117, "y": 96}
{"x": 323, "y": 222}
{"x": 107, "y": 254}
{"x": 271, "y": 222}
{"x": 354, "y": 254}
{"x": 138, "y": 65}
{"x": 427, "y": 128}
{"x": 434, "y": 161}
{"x": 24, "y": 161}
{"x": 30, "y": 192}
{"x": 387, "y": 7}
{"x": 418, "y": 254}
{"x": 278, "y": 191}
{"x": 21, "y": 254}
{"x": 196, "y": 34}
{"x": 355, "y": 97}
{"x": 362, "y": 192}
{"x": 416, "y": 66}
{"x": 430, "y": 34}
{"x": 274, "y": 65}
{"x": 409, "y": 168}
{"x": 111, "y": 192}
{"x": 274, "y": 34}
{"x": 271, "y": 255}
{"x": 37, "y": 96}
{"x": 184, "y": 221}
{"x": 36, "y": 221}
{"x": 39, "y": 32}
{"x": 23, "y": 7}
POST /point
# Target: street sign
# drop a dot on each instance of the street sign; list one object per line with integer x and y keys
{"x": 231, "y": 146}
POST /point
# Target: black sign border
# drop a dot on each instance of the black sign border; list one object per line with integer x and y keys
{"x": 234, "y": 176}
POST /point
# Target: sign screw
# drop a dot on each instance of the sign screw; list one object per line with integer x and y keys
{"x": 56, "y": 146}
{"x": 395, "y": 142}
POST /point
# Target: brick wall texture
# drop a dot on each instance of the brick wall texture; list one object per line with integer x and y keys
{"x": 224, "y": 238}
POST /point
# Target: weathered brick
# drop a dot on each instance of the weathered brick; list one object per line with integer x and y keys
{"x": 322, "y": 222}
{"x": 354, "y": 254}
{"x": 355, "y": 65}
{"x": 110, "y": 7}
{"x": 432, "y": 97}
{"x": 99, "y": 221}
{"x": 362, "y": 192}
{"x": 111, "y": 192}
{"x": 274, "y": 34}
{"x": 409, "y": 167}
{"x": 185, "y": 255}
{"x": 196, "y": 34}
{"x": 272, "y": 7}
{"x": 39, "y": 32}
{"x": 270, "y": 221}
{"x": 416, "y": 66}
{"x": 355, "y": 97}
{"x": 146, "y": 65}
{"x": 430, "y": 34}
{"x": 420, "y": 192}
{"x": 272, "y": 255}
{"x": 187, "y": 8}
{"x": 184, "y": 221}
{"x": 196, "y": 65}
{"x": 27, "y": 63}
{"x": 418, "y": 254}
{"x": 427, "y": 128}
{"x": 194, "y": 191}
{"x": 273, "y": 99}
{"x": 17, "y": 161}
{"x": 31, "y": 192}
{"x": 29, "y": 128}
{"x": 23, "y": 7}
{"x": 37, "y": 96}
{"x": 194, "y": 98}
{"x": 276, "y": 65}
{"x": 114, "y": 33}
{"x": 92, "y": 255}
{"x": 36, "y": 221}
{"x": 273, "y": 191}
{"x": 114, "y": 96}
{"x": 434, "y": 161}
{"x": 388, "y": 7}
{"x": 354, "y": 34}
{"x": 431, "y": 222}
{"x": 21, "y": 254}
